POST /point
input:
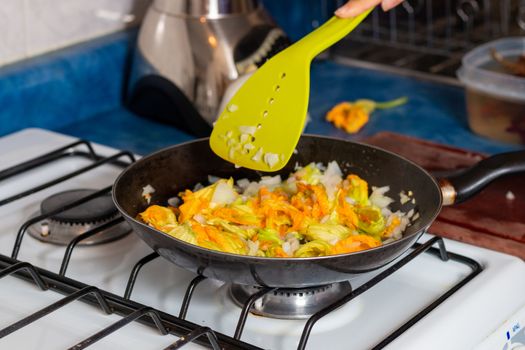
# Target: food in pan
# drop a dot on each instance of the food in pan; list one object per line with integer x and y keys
{"x": 314, "y": 212}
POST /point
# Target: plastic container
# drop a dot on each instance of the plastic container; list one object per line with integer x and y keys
{"x": 495, "y": 98}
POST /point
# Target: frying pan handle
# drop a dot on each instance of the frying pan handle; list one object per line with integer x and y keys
{"x": 458, "y": 188}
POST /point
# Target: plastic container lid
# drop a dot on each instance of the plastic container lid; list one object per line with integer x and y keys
{"x": 475, "y": 76}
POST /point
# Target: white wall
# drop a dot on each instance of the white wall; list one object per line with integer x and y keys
{"x": 32, "y": 27}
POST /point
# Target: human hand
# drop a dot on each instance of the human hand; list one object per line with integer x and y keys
{"x": 355, "y": 7}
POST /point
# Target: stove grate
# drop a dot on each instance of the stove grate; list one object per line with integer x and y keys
{"x": 67, "y": 176}
{"x": 135, "y": 315}
{"x": 189, "y": 293}
{"x": 80, "y": 238}
{"x": 74, "y": 290}
{"x": 55, "y": 306}
{"x": 135, "y": 271}
{"x": 110, "y": 303}
{"x": 418, "y": 249}
{"x": 50, "y": 157}
{"x": 194, "y": 335}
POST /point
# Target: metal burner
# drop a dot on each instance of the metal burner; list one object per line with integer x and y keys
{"x": 63, "y": 227}
{"x": 291, "y": 303}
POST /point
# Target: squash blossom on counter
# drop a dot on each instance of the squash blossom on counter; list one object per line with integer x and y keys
{"x": 314, "y": 212}
{"x": 352, "y": 116}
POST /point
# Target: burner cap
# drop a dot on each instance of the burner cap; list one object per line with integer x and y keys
{"x": 291, "y": 303}
{"x": 62, "y": 228}
{"x": 96, "y": 210}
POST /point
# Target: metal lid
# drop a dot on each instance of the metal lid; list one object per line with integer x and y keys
{"x": 206, "y": 8}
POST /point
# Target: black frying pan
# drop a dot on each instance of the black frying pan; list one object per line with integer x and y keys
{"x": 174, "y": 169}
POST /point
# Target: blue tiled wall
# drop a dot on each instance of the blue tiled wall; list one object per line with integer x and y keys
{"x": 65, "y": 86}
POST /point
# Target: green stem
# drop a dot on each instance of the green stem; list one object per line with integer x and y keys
{"x": 391, "y": 104}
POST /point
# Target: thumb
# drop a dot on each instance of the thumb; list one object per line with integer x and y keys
{"x": 355, "y": 7}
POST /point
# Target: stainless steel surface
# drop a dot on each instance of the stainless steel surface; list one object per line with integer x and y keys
{"x": 428, "y": 36}
{"x": 448, "y": 192}
{"x": 291, "y": 303}
{"x": 193, "y": 45}
{"x": 63, "y": 227}
{"x": 206, "y": 8}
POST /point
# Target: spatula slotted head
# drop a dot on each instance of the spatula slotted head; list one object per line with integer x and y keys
{"x": 261, "y": 125}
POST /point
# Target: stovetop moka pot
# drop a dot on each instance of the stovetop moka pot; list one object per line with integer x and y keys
{"x": 189, "y": 52}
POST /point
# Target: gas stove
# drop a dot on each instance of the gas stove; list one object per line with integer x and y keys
{"x": 72, "y": 275}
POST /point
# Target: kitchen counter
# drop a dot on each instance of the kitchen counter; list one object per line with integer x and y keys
{"x": 87, "y": 81}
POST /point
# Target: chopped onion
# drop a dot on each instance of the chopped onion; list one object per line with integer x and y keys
{"x": 243, "y": 183}
{"x": 253, "y": 247}
{"x": 350, "y": 200}
{"x": 174, "y": 201}
{"x": 271, "y": 159}
{"x": 287, "y": 248}
{"x": 250, "y": 130}
{"x": 257, "y": 157}
{"x": 223, "y": 194}
{"x": 200, "y": 219}
{"x": 403, "y": 197}
{"x": 270, "y": 181}
{"x": 331, "y": 179}
{"x": 378, "y": 197}
{"x": 248, "y": 147}
{"x": 213, "y": 179}
{"x": 386, "y": 212}
{"x": 147, "y": 191}
{"x": 320, "y": 166}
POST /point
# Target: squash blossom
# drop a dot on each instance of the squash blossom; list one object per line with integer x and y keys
{"x": 271, "y": 218}
{"x": 352, "y": 116}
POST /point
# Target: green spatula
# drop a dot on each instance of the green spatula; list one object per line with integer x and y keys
{"x": 261, "y": 125}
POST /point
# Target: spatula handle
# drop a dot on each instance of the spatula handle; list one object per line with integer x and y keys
{"x": 328, "y": 34}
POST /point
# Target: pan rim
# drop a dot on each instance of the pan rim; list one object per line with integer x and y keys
{"x": 203, "y": 250}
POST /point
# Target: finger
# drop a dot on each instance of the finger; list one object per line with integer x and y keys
{"x": 390, "y": 4}
{"x": 355, "y": 7}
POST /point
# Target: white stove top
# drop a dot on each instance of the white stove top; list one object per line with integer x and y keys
{"x": 463, "y": 321}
